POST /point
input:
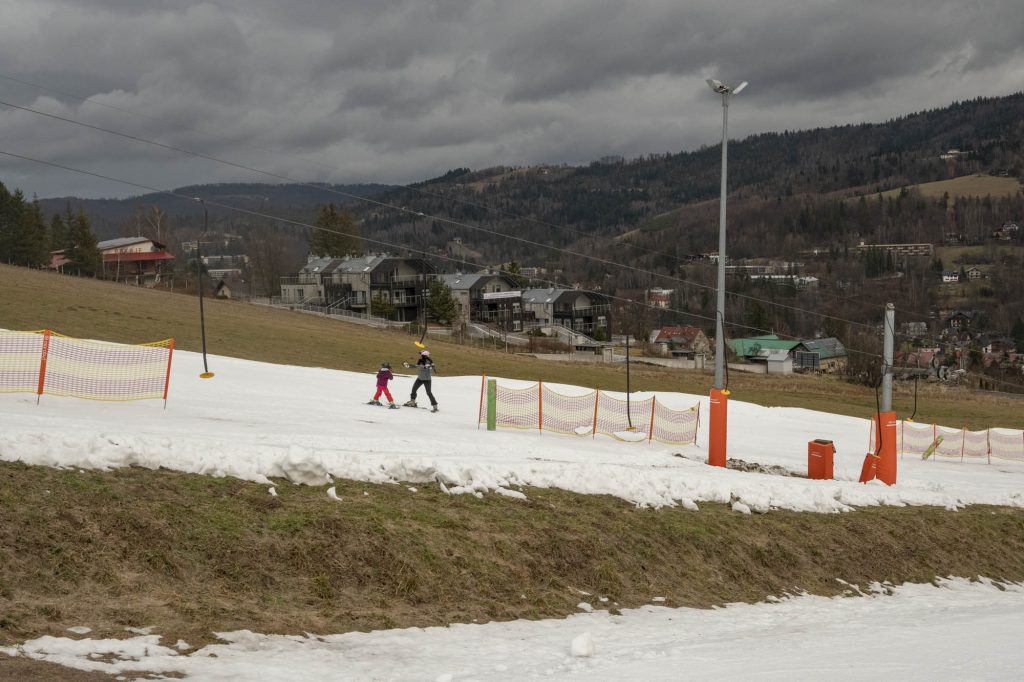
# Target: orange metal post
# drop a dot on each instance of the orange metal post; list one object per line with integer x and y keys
{"x": 650, "y": 427}
{"x": 887, "y": 455}
{"x": 42, "y": 364}
{"x": 717, "y": 426}
{"x": 167, "y": 379}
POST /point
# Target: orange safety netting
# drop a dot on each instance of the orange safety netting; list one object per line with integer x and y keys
{"x": 1006, "y": 445}
{"x": 48, "y": 362}
{"x": 671, "y": 425}
{"x": 518, "y": 407}
{"x": 952, "y": 444}
{"x": 959, "y": 443}
{"x": 975, "y": 443}
{"x": 539, "y": 407}
{"x": 914, "y": 438}
{"x": 20, "y": 357}
{"x": 569, "y": 414}
{"x": 614, "y": 420}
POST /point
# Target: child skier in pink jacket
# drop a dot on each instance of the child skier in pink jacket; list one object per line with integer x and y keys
{"x": 384, "y": 375}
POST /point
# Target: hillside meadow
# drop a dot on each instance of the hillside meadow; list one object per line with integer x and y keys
{"x": 90, "y": 308}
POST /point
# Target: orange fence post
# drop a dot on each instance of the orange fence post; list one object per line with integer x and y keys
{"x": 650, "y": 428}
{"x": 696, "y": 428}
{"x": 167, "y": 380}
{"x": 597, "y": 399}
{"x": 42, "y": 363}
{"x": 963, "y": 442}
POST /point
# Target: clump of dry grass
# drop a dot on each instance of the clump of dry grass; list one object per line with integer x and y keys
{"x": 194, "y": 554}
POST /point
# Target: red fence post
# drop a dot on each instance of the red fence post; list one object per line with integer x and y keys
{"x": 167, "y": 379}
{"x": 42, "y": 363}
{"x": 597, "y": 399}
{"x": 650, "y": 428}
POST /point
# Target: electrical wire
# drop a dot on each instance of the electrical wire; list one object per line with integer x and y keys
{"x": 298, "y": 223}
{"x": 458, "y": 200}
{"x": 406, "y": 210}
{"x": 437, "y": 195}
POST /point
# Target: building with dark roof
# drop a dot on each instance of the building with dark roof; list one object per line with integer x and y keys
{"x": 354, "y": 283}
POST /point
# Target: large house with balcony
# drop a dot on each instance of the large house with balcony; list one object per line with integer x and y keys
{"x": 353, "y": 283}
{"x": 586, "y": 312}
{"x": 486, "y": 297}
{"x": 132, "y": 260}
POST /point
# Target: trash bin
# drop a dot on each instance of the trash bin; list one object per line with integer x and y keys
{"x": 819, "y": 459}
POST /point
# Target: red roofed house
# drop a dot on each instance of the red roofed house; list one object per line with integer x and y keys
{"x": 685, "y": 342}
{"x": 134, "y": 260}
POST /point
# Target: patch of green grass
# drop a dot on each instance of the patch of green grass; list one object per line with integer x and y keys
{"x": 965, "y": 186}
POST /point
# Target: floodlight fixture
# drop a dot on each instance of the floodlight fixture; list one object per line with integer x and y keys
{"x": 723, "y": 89}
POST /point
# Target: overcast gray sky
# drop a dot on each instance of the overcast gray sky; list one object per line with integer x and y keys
{"x": 398, "y": 91}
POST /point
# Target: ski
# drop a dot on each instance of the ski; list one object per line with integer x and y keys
{"x": 930, "y": 450}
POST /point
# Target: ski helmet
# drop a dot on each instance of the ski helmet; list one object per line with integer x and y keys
{"x": 425, "y": 353}
{"x": 385, "y": 365}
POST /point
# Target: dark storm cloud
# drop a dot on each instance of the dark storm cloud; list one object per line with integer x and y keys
{"x": 399, "y": 90}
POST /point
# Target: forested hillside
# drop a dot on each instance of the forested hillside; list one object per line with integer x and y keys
{"x": 825, "y": 190}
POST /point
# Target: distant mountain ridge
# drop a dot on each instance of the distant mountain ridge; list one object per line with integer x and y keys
{"x": 665, "y": 196}
{"x": 286, "y": 200}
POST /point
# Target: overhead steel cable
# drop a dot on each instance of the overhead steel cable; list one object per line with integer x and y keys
{"x": 400, "y": 247}
{"x": 436, "y": 195}
{"x": 406, "y": 210}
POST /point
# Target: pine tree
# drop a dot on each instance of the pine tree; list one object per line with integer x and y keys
{"x": 338, "y": 235}
{"x": 515, "y": 273}
{"x": 441, "y": 303}
{"x": 9, "y": 219}
{"x": 83, "y": 252}
{"x": 58, "y": 233}
{"x": 35, "y": 236}
{"x": 23, "y": 233}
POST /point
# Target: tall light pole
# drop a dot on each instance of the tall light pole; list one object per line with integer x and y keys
{"x": 719, "y": 392}
{"x": 199, "y": 272}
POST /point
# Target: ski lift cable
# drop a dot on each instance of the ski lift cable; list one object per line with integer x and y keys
{"x": 409, "y": 211}
{"x": 414, "y": 188}
{"x": 298, "y": 223}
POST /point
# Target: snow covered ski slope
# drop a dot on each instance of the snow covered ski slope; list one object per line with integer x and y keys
{"x": 258, "y": 421}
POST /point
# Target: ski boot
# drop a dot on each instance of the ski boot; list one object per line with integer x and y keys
{"x": 411, "y": 403}
{"x": 433, "y": 408}
{"x": 392, "y": 406}
{"x": 373, "y": 402}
